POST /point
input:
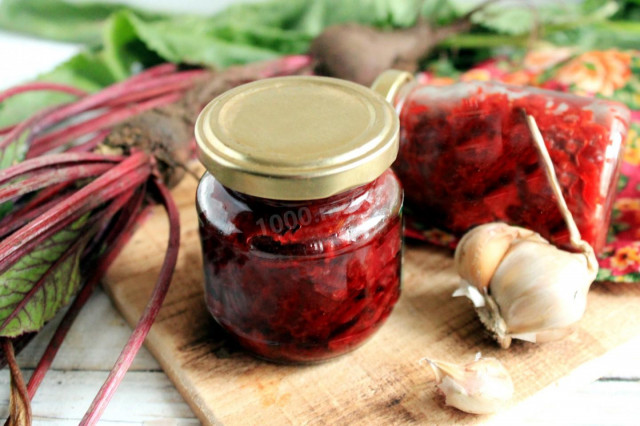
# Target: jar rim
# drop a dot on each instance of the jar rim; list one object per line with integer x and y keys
{"x": 298, "y": 137}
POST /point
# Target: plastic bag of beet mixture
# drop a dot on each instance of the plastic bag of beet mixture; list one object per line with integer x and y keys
{"x": 612, "y": 75}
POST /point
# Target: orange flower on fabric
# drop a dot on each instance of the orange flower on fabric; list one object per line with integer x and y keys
{"x": 626, "y": 257}
{"x": 441, "y": 81}
{"x": 632, "y": 149}
{"x": 597, "y": 72}
{"x": 627, "y": 204}
{"x": 476, "y": 74}
{"x": 428, "y": 78}
{"x": 521, "y": 78}
{"x": 544, "y": 58}
{"x": 632, "y": 155}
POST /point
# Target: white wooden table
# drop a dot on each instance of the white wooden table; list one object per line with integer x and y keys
{"x": 146, "y": 395}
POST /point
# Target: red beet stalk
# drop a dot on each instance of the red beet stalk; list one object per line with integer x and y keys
{"x": 39, "y": 87}
{"x": 56, "y": 139}
{"x": 149, "y": 315}
{"x": 130, "y": 173}
{"x": 20, "y": 410}
{"x": 120, "y": 235}
{"x": 52, "y": 191}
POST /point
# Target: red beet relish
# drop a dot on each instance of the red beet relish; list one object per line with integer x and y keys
{"x": 466, "y": 158}
{"x": 301, "y": 281}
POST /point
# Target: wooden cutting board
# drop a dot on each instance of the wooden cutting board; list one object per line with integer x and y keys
{"x": 383, "y": 381}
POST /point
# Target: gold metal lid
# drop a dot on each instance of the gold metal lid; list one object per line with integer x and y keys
{"x": 388, "y": 83}
{"x": 297, "y": 138}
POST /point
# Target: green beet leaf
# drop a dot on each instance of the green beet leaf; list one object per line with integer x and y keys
{"x": 14, "y": 153}
{"x": 125, "y": 40}
{"x": 59, "y": 259}
{"x": 59, "y": 20}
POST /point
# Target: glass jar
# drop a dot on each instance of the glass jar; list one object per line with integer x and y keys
{"x": 467, "y": 156}
{"x": 300, "y": 215}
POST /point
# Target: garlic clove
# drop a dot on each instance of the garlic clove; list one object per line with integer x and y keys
{"x": 481, "y": 250}
{"x": 538, "y": 287}
{"x": 479, "y": 387}
{"x": 536, "y": 293}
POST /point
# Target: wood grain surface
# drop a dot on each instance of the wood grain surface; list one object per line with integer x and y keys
{"x": 382, "y": 381}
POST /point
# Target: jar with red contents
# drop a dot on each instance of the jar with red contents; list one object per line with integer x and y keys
{"x": 467, "y": 156}
{"x": 300, "y": 215}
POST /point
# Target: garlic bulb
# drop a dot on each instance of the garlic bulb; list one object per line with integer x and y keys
{"x": 522, "y": 286}
{"x": 480, "y": 387}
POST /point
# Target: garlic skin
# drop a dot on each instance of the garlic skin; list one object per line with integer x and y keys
{"x": 550, "y": 292}
{"x": 534, "y": 291}
{"x": 480, "y": 387}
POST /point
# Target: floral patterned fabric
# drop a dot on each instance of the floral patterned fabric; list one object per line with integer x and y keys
{"x": 610, "y": 74}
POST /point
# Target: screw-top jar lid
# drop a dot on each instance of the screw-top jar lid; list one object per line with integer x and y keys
{"x": 297, "y": 138}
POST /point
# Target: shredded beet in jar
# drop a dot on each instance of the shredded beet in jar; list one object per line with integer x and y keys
{"x": 466, "y": 157}
{"x": 300, "y": 215}
{"x": 301, "y": 281}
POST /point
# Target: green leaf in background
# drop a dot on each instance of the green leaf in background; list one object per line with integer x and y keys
{"x": 57, "y": 20}
{"x": 192, "y": 41}
{"x": 604, "y": 275}
{"x": 244, "y": 24}
{"x": 622, "y": 183}
{"x": 516, "y": 18}
{"x": 123, "y": 51}
{"x": 86, "y": 71}
{"x": 59, "y": 258}
{"x": 131, "y": 39}
{"x": 250, "y": 32}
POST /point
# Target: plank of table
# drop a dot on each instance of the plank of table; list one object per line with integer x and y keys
{"x": 144, "y": 397}
{"x": 92, "y": 346}
{"x": 147, "y": 395}
{"x": 93, "y": 343}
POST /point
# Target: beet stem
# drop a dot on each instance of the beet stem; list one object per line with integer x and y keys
{"x": 52, "y": 115}
{"x": 26, "y": 214}
{"x": 155, "y": 71}
{"x": 130, "y": 173}
{"x": 148, "y": 317}
{"x": 17, "y": 383}
{"x": 41, "y": 86}
{"x": 110, "y": 93}
{"x": 44, "y": 195}
{"x": 92, "y": 143}
{"x": 58, "y": 138}
{"x": 41, "y": 179}
{"x": 54, "y": 160}
{"x": 149, "y": 93}
{"x": 27, "y": 125}
{"x": 122, "y": 233}
{"x": 7, "y": 129}
{"x": 92, "y": 227}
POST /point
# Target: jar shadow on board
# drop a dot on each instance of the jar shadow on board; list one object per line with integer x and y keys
{"x": 300, "y": 215}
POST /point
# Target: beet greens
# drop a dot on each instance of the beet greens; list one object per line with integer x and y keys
{"x": 75, "y": 180}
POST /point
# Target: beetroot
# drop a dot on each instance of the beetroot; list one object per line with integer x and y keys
{"x": 360, "y": 53}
